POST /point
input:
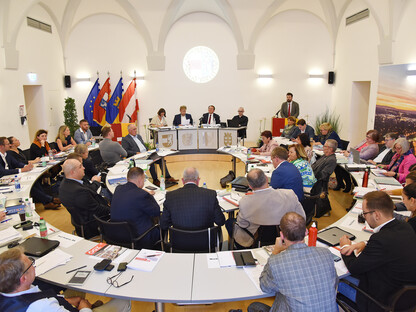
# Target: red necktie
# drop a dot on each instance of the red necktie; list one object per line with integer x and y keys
{"x": 209, "y": 120}
{"x": 288, "y": 110}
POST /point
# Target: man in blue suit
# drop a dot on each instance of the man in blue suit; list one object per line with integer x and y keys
{"x": 133, "y": 204}
{"x": 286, "y": 175}
{"x": 302, "y": 127}
{"x": 183, "y": 118}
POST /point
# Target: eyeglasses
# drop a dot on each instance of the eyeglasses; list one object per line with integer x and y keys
{"x": 364, "y": 213}
{"x": 113, "y": 280}
{"x": 33, "y": 263}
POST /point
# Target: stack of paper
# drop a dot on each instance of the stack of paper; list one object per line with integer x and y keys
{"x": 9, "y": 235}
{"x": 233, "y": 199}
{"x": 226, "y": 259}
{"x": 146, "y": 260}
{"x": 53, "y": 259}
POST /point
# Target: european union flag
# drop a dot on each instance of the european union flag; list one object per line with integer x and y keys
{"x": 89, "y": 104}
{"x": 114, "y": 102}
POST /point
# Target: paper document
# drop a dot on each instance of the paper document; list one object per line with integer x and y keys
{"x": 65, "y": 240}
{"x": 146, "y": 260}
{"x": 226, "y": 259}
{"x": 53, "y": 259}
{"x": 352, "y": 223}
{"x": 213, "y": 262}
{"x": 253, "y": 273}
{"x": 104, "y": 251}
{"x": 118, "y": 169}
{"x": 9, "y": 235}
{"x": 339, "y": 265}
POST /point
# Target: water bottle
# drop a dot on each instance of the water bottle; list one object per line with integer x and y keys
{"x": 131, "y": 163}
{"x": 313, "y": 235}
{"x": 17, "y": 186}
{"x": 157, "y": 147}
{"x": 204, "y": 185}
{"x": 50, "y": 153}
{"x": 92, "y": 142}
{"x": 248, "y": 153}
{"x": 350, "y": 159}
{"x": 365, "y": 178}
{"x": 162, "y": 183}
{"x": 43, "y": 229}
{"x": 28, "y": 208}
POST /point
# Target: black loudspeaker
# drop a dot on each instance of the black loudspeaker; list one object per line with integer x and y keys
{"x": 67, "y": 81}
{"x": 331, "y": 77}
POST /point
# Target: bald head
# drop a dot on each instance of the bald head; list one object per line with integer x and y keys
{"x": 190, "y": 175}
{"x": 257, "y": 179}
{"x": 73, "y": 169}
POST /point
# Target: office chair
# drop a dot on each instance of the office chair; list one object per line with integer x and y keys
{"x": 198, "y": 241}
{"x": 264, "y": 236}
{"x": 343, "y": 144}
{"x": 88, "y": 230}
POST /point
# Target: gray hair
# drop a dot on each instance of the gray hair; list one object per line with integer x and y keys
{"x": 332, "y": 144}
{"x": 190, "y": 174}
{"x": 11, "y": 269}
{"x": 403, "y": 143}
{"x": 256, "y": 178}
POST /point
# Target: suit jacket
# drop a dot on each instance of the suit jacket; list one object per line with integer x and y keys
{"x": 386, "y": 263}
{"x": 205, "y": 118}
{"x": 308, "y": 130}
{"x": 130, "y": 146}
{"x": 242, "y": 121}
{"x": 83, "y": 202}
{"x": 177, "y": 119}
{"x": 324, "y": 167}
{"x": 14, "y": 165}
{"x": 137, "y": 207}
{"x": 303, "y": 279}
{"x": 387, "y": 158}
{"x": 265, "y": 207}
{"x": 294, "y": 110}
{"x": 111, "y": 152}
{"x": 287, "y": 176}
{"x": 90, "y": 169}
{"x": 191, "y": 208}
{"x": 36, "y": 151}
{"x": 79, "y": 136}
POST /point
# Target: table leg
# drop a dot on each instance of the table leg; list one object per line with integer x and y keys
{"x": 234, "y": 165}
{"x": 163, "y": 167}
{"x": 159, "y": 307}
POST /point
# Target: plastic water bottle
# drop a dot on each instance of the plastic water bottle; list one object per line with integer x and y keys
{"x": 313, "y": 235}
{"x": 28, "y": 208}
{"x": 249, "y": 153}
{"x": 50, "y": 153}
{"x": 350, "y": 159}
{"x": 43, "y": 229}
{"x": 157, "y": 147}
{"x": 204, "y": 185}
{"x": 131, "y": 163}
{"x": 162, "y": 183}
{"x": 17, "y": 186}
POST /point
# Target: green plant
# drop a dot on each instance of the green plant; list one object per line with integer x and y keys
{"x": 70, "y": 115}
{"x": 331, "y": 118}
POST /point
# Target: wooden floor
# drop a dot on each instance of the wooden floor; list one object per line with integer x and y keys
{"x": 211, "y": 169}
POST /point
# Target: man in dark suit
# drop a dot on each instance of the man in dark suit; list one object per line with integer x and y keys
{"x": 191, "y": 207}
{"x": 9, "y": 165}
{"x": 81, "y": 200}
{"x": 289, "y": 108}
{"x": 210, "y": 118}
{"x": 134, "y": 144}
{"x": 325, "y": 165}
{"x": 242, "y": 121}
{"x": 302, "y": 127}
{"x": 286, "y": 175}
{"x": 182, "y": 119}
{"x": 386, "y": 262}
{"x": 133, "y": 204}
{"x": 386, "y": 152}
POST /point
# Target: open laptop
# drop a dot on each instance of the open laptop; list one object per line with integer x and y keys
{"x": 356, "y": 157}
{"x": 231, "y": 123}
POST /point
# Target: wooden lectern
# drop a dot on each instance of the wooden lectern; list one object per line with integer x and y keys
{"x": 277, "y": 125}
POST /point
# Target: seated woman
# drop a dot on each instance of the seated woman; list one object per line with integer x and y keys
{"x": 303, "y": 139}
{"x": 17, "y": 153}
{"x": 409, "y": 199}
{"x": 326, "y": 133}
{"x": 40, "y": 146}
{"x": 297, "y": 156}
{"x": 64, "y": 139}
{"x": 90, "y": 170}
{"x": 268, "y": 144}
{"x": 289, "y": 128}
{"x": 368, "y": 148}
{"x": 159, "y": 120}
{"x": 401, "y": 161}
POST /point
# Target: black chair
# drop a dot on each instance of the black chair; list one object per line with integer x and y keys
{"x": 264, "y": 236}
{"x": 316, "y": 202}
{"x": 54, "y": 145}
{"x": 343, "y": 144}
{"x": 86, "y": 230}
{"x": 26, "y": 152}
{"x": 122, "y": 234}
{"x": 198, "y": 241}
{"x": 402, "y": 300}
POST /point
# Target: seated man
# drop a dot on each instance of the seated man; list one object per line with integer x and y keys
{"x": 286, "y": 175}
{"x": 17, "y": 273}
{"x": 111, "y": 152}
{"x": 303, "y": 278}
{"x": 191, "y": 207}
{"x": 80, "y": 199}
{"x": 386, "y": 262}
{"x": 133, "y": 204}
{"x": 302, "y": 127}
{"x": 9, "y": 166}
{"x": 265, "y": 206}
{"x": 182, "y": 119}
{"x": 210, "y": 118}
{"x": 386, "y": 152}
{"x": 242, "y": 121}
{"x": 133, "y": 144}
{"x": 83, "y": 135}
{"x": 325, "y": 165}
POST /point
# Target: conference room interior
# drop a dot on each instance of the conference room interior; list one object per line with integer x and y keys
{"x": 265, "y": 49}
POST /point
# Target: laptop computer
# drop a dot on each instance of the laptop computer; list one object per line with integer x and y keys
{"x": 356, "y": 157}
{"x": 231, "y": 123}
{"x": 38, "y": 247}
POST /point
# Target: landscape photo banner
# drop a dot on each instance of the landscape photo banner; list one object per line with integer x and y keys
{"x": 396, "y": 100}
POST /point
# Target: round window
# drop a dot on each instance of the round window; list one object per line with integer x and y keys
{"x": 200, "y": 64}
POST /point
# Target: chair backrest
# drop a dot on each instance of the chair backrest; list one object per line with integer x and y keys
{"x": 54, "y": 146}
{"x": 343, "y": 144}
{"x": 26, "y": 152}
{"x": 206, "y": 240}
{"x": 404, "y": 299}
{"x": 308, "y": 205}
{"x": 85, "y": 230}
{"x": 266, "y": 235}
{"x": 116, "y": 233}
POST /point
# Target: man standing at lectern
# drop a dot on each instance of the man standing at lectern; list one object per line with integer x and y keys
{"x": 289, "y": 108}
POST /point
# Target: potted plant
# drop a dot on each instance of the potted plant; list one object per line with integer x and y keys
{"x": 331, "y": 118}
{"x": 70, "y": 115}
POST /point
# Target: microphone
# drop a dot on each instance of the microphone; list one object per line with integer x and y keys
{"x": 277, "y": 114}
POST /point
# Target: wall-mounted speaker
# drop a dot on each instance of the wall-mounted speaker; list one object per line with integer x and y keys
{"x": 67, "y": 81}
{"x": 331, "y": 77}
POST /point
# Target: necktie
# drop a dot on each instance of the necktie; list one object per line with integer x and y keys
{"x": 288, "y": 109}
{"x": 209, "y": 120}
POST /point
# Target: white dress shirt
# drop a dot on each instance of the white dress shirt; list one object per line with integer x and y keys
{"x": 142, "y": 148}
{"x": 6, "y": 165}
{"x": 184, "y": 121}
